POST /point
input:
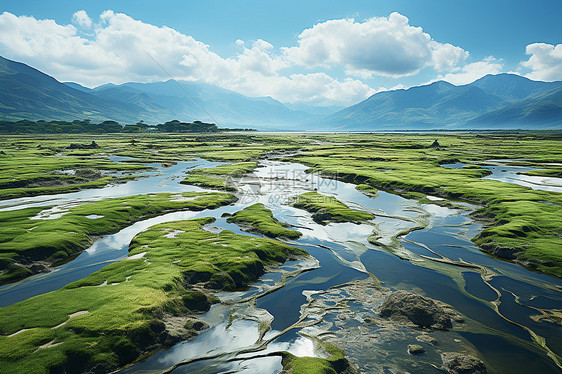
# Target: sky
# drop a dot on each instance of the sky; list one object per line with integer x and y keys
{"x": 320, "y": 53}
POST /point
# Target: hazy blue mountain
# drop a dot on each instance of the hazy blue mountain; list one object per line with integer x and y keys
{"x": 512, "y": 87}
{"x": 313, "y": 109}
{"x": 78, "y": 87}
{"x": 540, "y": 112}
{"x": 200, "y": 101}
{"x": 27, "y": 93}
{"x": 494, "y": 101}
{"x": 433, "y": 106}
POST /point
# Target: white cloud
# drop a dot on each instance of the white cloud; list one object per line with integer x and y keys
{"x": 446, "y": 57}
{"x": 119, "y": 49}
{"x": 384, "y": 46}
{"x": 545, "y": 61}
{"x": 473, "y": 71}
{"x": 81, "y": 18}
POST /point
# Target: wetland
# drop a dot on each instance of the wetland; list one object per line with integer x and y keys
{"x": 208, "y": 253}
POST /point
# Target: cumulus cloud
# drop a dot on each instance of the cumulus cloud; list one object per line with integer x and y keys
{"x": 545, "y": 61}
{"x": 473, "y": 71}
{"x": 81, "y": 18}
{"x": 446, "y": 57}
{"x": 380, "y": 45}
{"x": 119, "y": 48}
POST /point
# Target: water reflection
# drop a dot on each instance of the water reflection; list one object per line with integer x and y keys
{"x": 510, "y": 174}
{"x": 162, "y": 179}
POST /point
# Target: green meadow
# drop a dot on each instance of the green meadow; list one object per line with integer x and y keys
{"x": 258, "y": 219}
{"x": 24, "y": 241}
{"x": 120, "y": 312}
{"x": 123, "y": 311}
{"x": 404, "y": 164}
{"x": 521, "y": 224}
{"x": 327, "y": 209}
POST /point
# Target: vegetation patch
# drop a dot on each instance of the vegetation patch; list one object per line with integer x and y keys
{"x": 174, "y": 278}
{"x": 336, "y": 363}
{"x": 29, "y": 240}
{"x": 216, "y": 177}
{"x": 232, "y": 170}
{"x": 550, "y": 172}
{"x": 522, "y": 224}
{"x": 367, "y": 190}
{"x": 258, "y": 219}
{"x": 326, "y": 209}
{"x": 207, "y": 182}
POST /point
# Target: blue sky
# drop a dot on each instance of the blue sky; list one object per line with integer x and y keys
{"x": 316, "y": 52}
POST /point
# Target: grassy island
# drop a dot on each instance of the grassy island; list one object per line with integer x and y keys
{"x": 34, "y": 238}
{"x": 216, "y": 178}
{"x": 326, "y": 209}
{"x": 258, "y": 219}
{"x": 131, "y": 307}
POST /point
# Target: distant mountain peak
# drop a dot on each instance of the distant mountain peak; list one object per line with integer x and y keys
{"x": 441, "y": 104}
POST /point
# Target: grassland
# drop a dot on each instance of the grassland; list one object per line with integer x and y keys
{"x": 204, "y": 181}
{"x": 124, "y": 310}
{"x": 258, "y": 219}
{"x": 28, "y": 242}
{"x": 327, "y": 209}
{"x": 522, "y": 224}
{"x": 399, "y": 163}
{"x": 171, "y": 272}
{"x": 231, "y": 170}
{"x": 217, "y": 177}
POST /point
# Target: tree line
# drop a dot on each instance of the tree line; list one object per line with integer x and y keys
{"x": 88, "y": 127}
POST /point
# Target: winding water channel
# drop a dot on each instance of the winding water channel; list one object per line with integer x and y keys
{"x": 497, "y": 298}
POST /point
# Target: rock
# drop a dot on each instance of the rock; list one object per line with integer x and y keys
{"x": 415, "y": 349}
{"x": 435, "y": 144}
{"x": 39, "y": 268}
{"x": 88, "y": 173}
{"x": 458, "y": 363}
{"x": 427, "y": 339}
{"x": 420, "y": 310}
{"x": 92, "y": 145}
{"x": 322, "y": 216}
{"x": 199, "y": 325}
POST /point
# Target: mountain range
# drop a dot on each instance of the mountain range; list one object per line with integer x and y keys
{"x": 27, "y": 93}
{"x": 493, "y": 102}
{"x": 502, "y": 101}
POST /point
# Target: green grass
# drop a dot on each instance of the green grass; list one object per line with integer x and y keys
{"x": 521, "y": 223}
{"x": 550, "y": 172}
{"x": 216, "y": 177}
{"x": 367, "y": 190}
{"x": 126, "y": 319}
{"x": 23, "y": 241}
{"x": 232, "y": 170}
{"x": 397, "y": 163}
{"x": 326, "y": 209}
{"x": 32, "y": 167}
{"x": 258, "y": 219}
{"x": 207, "y": 182}
{"x": 336, "y": 363}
